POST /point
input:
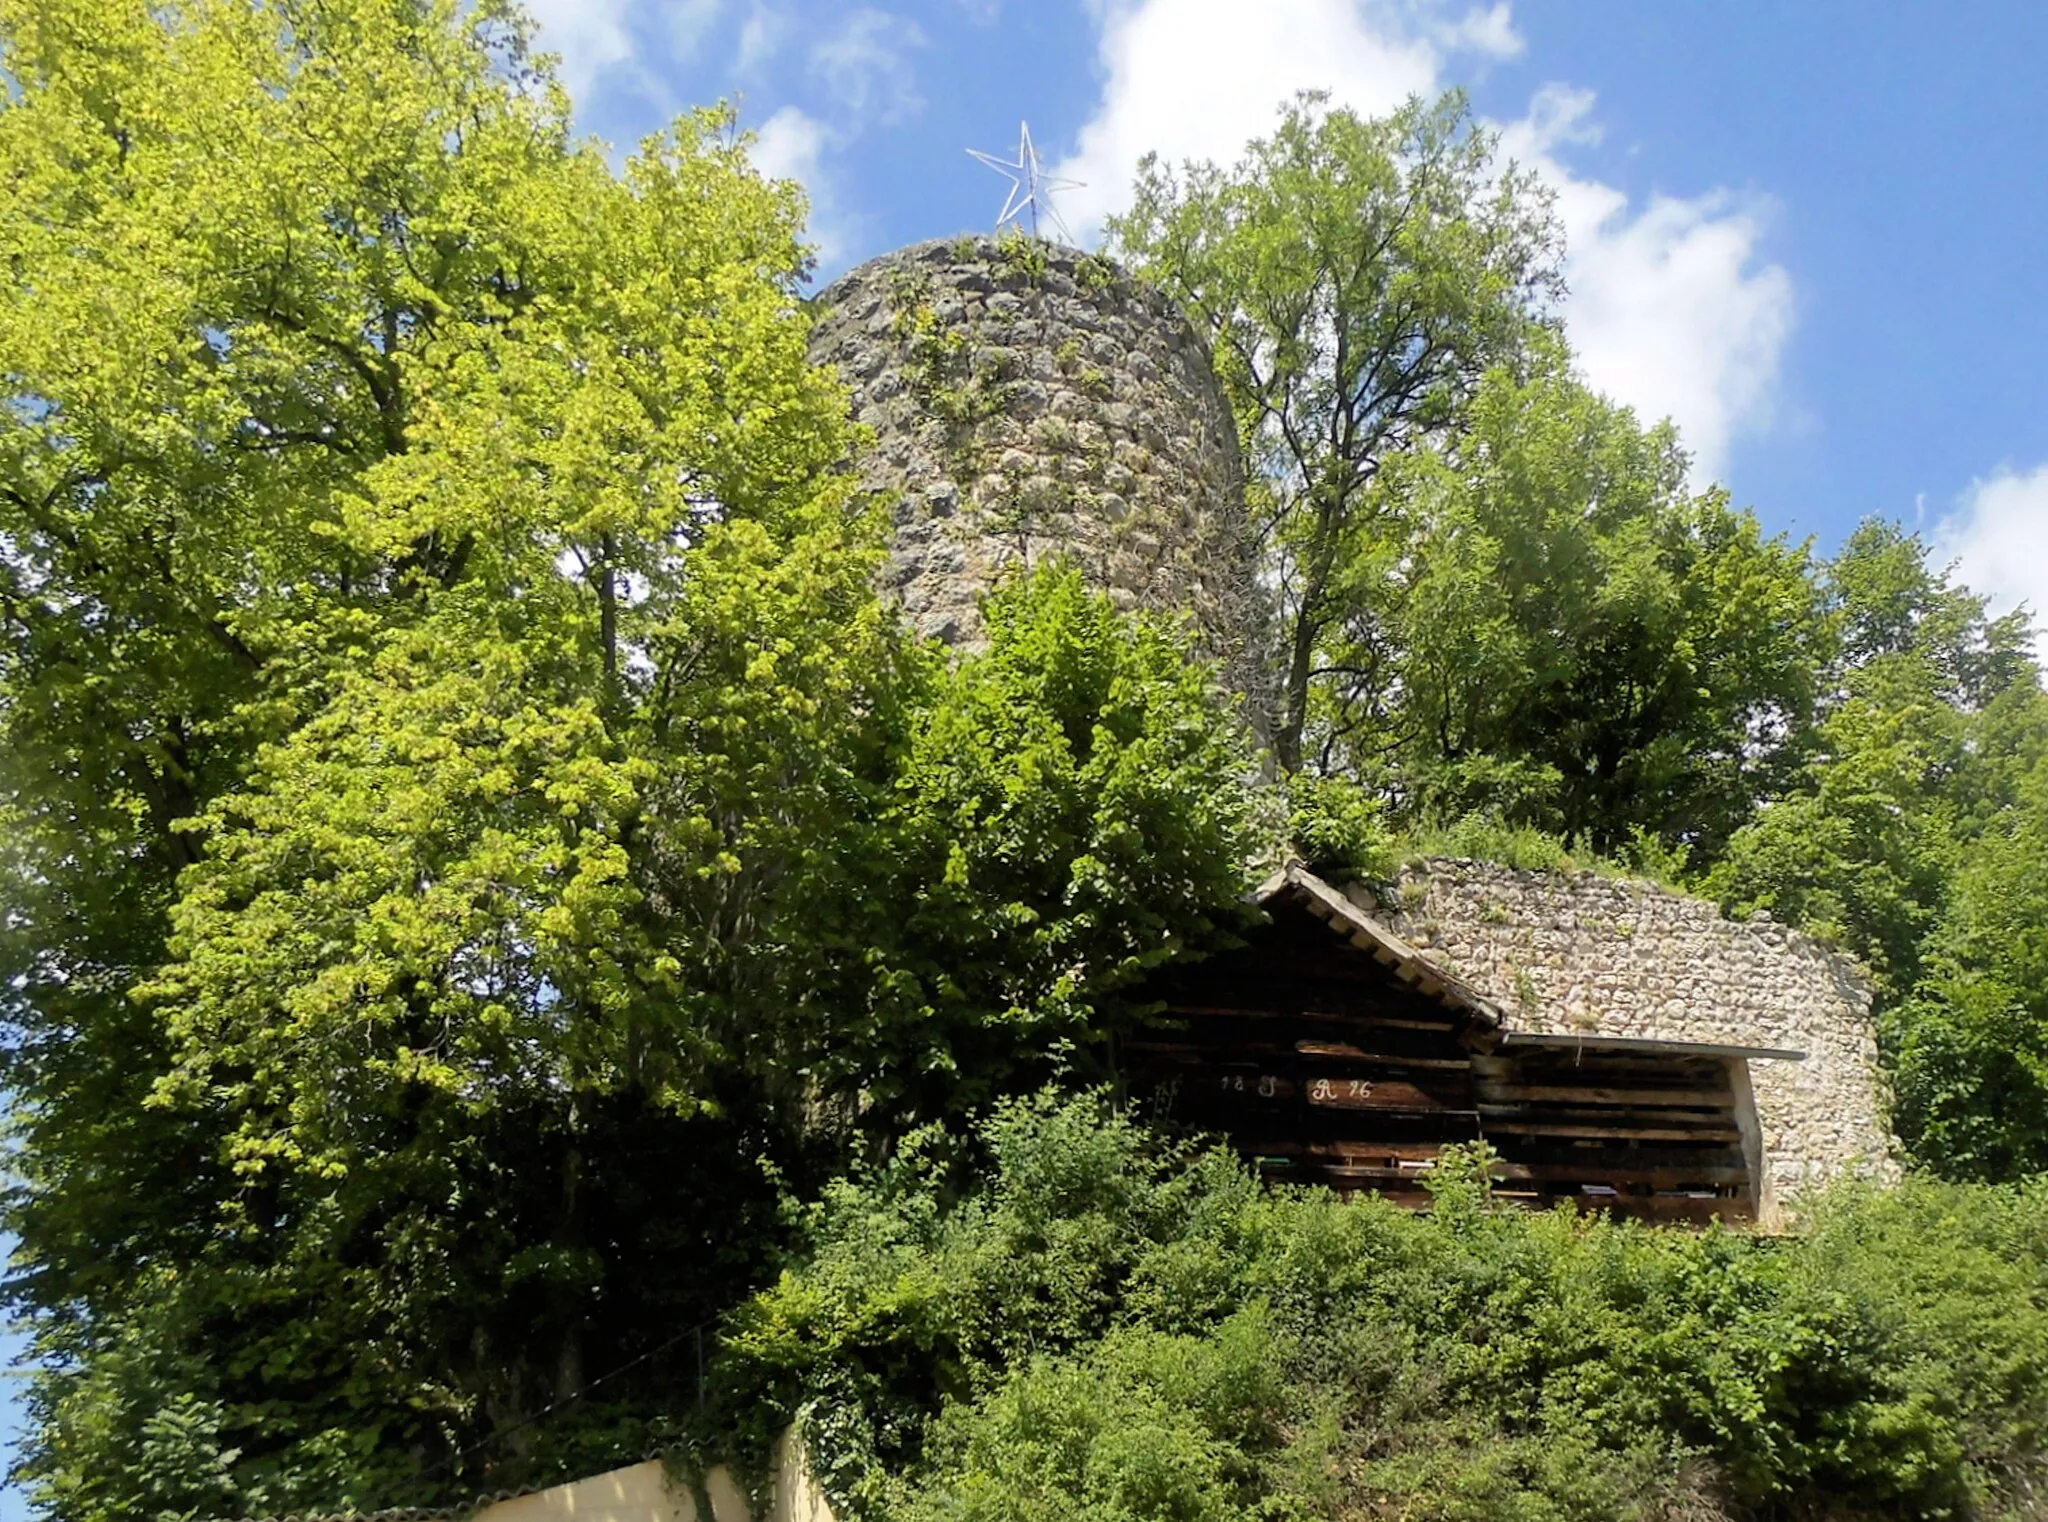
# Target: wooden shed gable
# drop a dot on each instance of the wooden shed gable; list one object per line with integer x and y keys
{"x": 1330, "y": 1051}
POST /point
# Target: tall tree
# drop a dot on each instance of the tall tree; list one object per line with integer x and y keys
{"x": 382, "y": 480}
{"x": 472, "y": 835}
{"x": 1913, "y": 836}
{"x": 1923, "y": 730}
{"x": 1970, "y": 1042}
{"x": 1356, "y": 277}
{"x": 1564, "y": 635}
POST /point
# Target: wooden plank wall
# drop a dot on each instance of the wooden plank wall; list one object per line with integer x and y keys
{"x": 1322, "y": 1067}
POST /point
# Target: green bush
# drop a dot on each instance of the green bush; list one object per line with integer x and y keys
{"x": 1070, "y": 1318}
{"x": 1486, "y": 837}
{"x": 1336, "y": 827}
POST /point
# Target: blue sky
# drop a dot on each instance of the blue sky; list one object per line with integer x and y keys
{"x": 1816, "y": 236}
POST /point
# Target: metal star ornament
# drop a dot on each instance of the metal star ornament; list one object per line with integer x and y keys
{"x": 1031, "y": 187}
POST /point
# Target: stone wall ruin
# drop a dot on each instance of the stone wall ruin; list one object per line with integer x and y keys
{"x": 1028, "y": 400}
{"x": 1579, "y": 954}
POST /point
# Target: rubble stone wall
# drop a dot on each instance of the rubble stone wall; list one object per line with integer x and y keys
{"x": 1579, "y": 954}
{"x": 1029, "y": 400}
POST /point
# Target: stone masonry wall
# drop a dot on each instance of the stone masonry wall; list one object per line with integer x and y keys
{"x": 1030, "y": 400}
{"x": 1574, "y": 953}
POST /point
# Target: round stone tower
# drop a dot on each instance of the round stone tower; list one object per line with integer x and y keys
{"x": 1028, "y": 401}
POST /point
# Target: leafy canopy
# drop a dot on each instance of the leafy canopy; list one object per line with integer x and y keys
{"x": 428, "y": 614}
{"x": 1356, "y": 278}
{"x": 1497, "y": 592}
{"x": 472, "y": 836}
{"x": 1911, "y": 837}
{"x": 1562, "y": 635}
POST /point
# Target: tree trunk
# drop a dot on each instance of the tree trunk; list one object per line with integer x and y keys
{"x": 1294, "y": 718}
{"x": 569, "y": 1354}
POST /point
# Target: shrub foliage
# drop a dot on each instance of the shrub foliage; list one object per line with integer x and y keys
{"x": 1106, "y": 1326}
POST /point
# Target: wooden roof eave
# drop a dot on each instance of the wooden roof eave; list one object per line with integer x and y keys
{"x": 1659, "y": 1046}
{"x": 1486, "y": 1023}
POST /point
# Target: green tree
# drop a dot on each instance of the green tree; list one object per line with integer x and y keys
{"x": 474, "y": 838}
{"x": 1913, "y": 837}
{"x": 1566, "y": 636}
{"x": 1498, "y": 592}
{"x": 1927, "y": 720}
{"x": 1071, "y": 807}
{"x": 1970, "y": 1045}
{"x": 423, "y": 569}
{"x": 1356, "y": 278}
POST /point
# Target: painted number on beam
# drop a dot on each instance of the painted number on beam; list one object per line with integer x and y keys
{"x": 1370, "y": 1094}
{"x": 1261, "y": 1085}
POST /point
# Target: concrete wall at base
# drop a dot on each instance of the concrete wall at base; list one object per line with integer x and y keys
{"x": 1572, "y": 953}
{"x": 646, "y": 1493}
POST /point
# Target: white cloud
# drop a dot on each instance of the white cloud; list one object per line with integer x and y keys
{"x": 1671, "y": 308}
{"x": 596, "y": 37}
{"x": 1998, "y": 536}
{"x": 787, "y": 146}
{"x": 1198, "y": 79}
{"x": 1490, "y": 33}
{"x": 791, "y": 145}
{"x": 865, "y": 66}
{"x": 591, "y": 36}
{"x": 762, "y": 35}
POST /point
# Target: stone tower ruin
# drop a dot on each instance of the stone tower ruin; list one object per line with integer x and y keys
{"x": 1029, "y": 401}
{"x": 1628, "y": 1048}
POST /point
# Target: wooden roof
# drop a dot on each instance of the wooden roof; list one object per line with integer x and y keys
{"x": 1295, "y": 883}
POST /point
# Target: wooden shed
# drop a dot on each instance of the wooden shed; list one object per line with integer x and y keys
{"x": 1332, "y": 1052}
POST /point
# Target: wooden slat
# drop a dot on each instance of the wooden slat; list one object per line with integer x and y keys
{"x": 1708, "y": 1115}
{"x": 1311, "y": 1011}
{"x": 1154, "y": 1063}
{"x": 1271, "y": 1051}
{"x": 1418, "y": 1157}
{"x": 1271, "y": 1087}
{"x": 1581, "y": 1157}
{"x": 1357, "y": 1174}
{"x": 1519, "y": 1040}
{"x": 1369, "y": 1094}
{"x": 1444, "y": 1027}
{"x": 1385, "y": 1051}
{"x": 1625, "y": 1133}
{"x": 1538, "y": 1093}
{"x": 1289, "y": 994}
{"x": 1547, "y": 1065}
{"x": 1287, "y": 1029}
{"x": 1655, "y": 1178}
{"x": 1347, "y": 1149}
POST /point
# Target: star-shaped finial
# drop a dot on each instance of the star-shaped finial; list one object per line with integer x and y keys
{"x": 1031, "y": 187}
